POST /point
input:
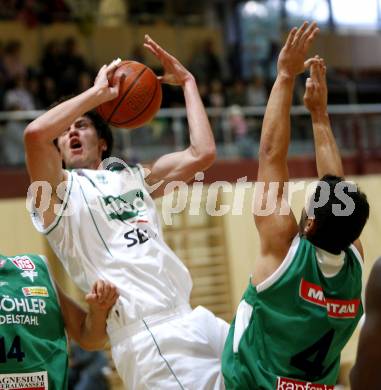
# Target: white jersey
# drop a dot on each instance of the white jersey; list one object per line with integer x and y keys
{"x": 107, "y": 228}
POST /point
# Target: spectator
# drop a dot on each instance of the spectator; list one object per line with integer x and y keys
{"x": 212, "y": 61}
{"x": 18, "y": 96}
{"x": 12, "y": 143}
{"x": 48, "y": 91}
{"x": 237, "y": 94}
{"x": 256, "y": 94}
{"x": 205, "y": 64}
{"x": 34, "y": 88}
{"x": 51, "y": 63}
{"x": 85, "y": 81}
{"x": 239, "y": 127}
{"x": 13, "y": 65}
{"x": 88, "y": 370}
{"x": 204, "y": 93}
{"x": 73, "y": 64}
{"x": 217, "y": 97}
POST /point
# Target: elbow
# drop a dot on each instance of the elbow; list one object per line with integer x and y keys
{"x": 208, "y": 158}
{"x": 267, "y": 152}
{"x": 32, "y": 134}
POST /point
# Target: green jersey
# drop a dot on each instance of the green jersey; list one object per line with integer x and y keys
{"x": 288, "y": 331}
{"x": 33, "y": 344}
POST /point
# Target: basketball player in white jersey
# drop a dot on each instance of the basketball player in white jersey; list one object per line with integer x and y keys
{"x": 103, "y": 224}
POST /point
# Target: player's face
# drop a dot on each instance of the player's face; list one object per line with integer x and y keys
{"x": 80, "y": 146}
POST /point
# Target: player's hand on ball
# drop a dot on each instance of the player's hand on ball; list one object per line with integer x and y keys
{"x": 315, "y": 96}
{"x": 292, "y": 56}
{"x": 102, "y": 296}
{"x": 103, "y": 81}
{"x": 174, "y": 72}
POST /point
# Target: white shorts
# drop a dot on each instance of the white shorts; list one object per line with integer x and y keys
{"x": 180, "y": 349}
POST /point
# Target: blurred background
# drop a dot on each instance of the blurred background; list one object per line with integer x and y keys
{"x": 53, "y": 48}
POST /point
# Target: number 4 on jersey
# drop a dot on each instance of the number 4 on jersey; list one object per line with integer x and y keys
{"x": 311, "y": 359}
{"x": 14, "y": 352}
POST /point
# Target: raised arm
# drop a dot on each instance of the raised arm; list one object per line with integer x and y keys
{"x": 44, "y": 162}
{"x": 328, "y": 160}
{"x": 88, "y": 329}
{"x": 201, "y": 153}
{"x": 43, "y": 159}
{"x": 275, "y": 139}
{"x": 366, "y": 371}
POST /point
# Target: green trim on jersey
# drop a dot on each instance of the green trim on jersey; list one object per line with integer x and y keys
{"x": 295, "y": 324}
{"x": 140, "y": 170}
{"x": 32, "y": 333}
{"x": 93, "y": 219}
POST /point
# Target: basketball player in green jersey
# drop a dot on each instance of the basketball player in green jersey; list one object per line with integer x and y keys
{"x": 34, "y": 314}
{"x": 366, "y": 371}
{"x": 304, "y": 298}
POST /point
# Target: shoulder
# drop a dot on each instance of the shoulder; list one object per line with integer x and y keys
{"x": 41, "y": 260}
{"x": 137, "y": 168}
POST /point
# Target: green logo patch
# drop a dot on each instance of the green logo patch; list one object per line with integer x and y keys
{"x": 124, "y": 207}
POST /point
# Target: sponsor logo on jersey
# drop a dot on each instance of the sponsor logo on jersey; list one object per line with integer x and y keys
{"x": 2, "y": 263}
{"x": 37, "y": 291}
{"x": 30, "y": 381}
{"x": 25, "y": 264}
{"x": 19, "y": 319}
{"x": 129, "y": 206}
{"x": 24, "y": 305}
{"x": 336, "y": 308}
{"x": 290, "y": 384}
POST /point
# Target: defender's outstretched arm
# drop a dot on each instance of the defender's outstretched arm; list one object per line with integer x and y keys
{"x": 273, "y": 149}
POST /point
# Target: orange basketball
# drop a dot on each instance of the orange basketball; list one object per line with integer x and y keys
{"x": 139, "y": 97}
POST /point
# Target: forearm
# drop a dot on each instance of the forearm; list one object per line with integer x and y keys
{"x": 55, "y": 121}
{"x": 328, "y": 160}
{"x": 275, "y": 136}
{"x": 93, "y": 334}
{"x": 201, "y": 136}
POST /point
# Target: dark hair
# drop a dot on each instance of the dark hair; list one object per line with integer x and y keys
{"x": 103, "y": 131}
{"x": 334, "y": 231}
{"x": 102, "y": 128}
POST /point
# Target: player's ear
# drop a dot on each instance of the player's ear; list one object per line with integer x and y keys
{"x": 310, "y": 226}
{"x": 102, "y": 145}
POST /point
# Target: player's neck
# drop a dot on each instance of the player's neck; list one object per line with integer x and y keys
{"x": 94, "y": 165}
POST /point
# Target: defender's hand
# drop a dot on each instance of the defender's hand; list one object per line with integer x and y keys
{"x": 316, "y": 95}
{"x": 103, "y": 82}
{"x": 174, "y": 72}
{"x": 102, "y": 296}
{"x": 292, "y": 56}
